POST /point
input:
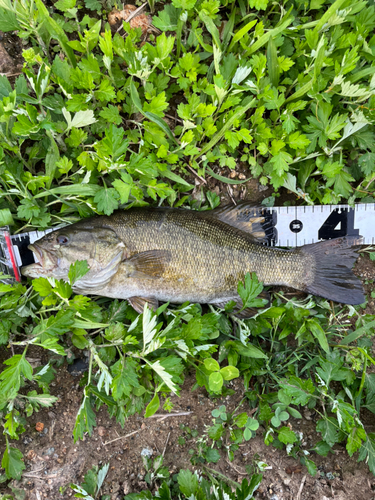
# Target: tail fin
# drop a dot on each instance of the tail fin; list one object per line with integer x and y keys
{"x": 334, "y": 279}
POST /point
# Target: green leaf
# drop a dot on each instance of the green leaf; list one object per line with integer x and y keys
{"x": 107, "y": 200}
{"x": 249, "y": 350}
{"x": 5, "y": 89}
{"x": 298, "y": 140}
{"x": 311, "y": 467}
{"x": 123, "y": 189}
{"x": 65, "y": 5}
{"x": 111, "y": 114}
{"x": 237, "y": 37}
{"x": 55, "y": 325}
{"x": 252, "y": 424}
{"x": 331, "y": 12}
{"x": 8, "y": 17}
{"x": 157, "y": 104}
{"x": 167, "y": 19}
{"x": 273, "y": 63}
{"x": 212, "y": 455}
{"x": 249, "y": 290}
{"x": 281, "y": 163}
{"x": 56, "y": 31}
{"x": 240, "y": 111}
{"x": 329, "y": 428}
{"x": 211, "y": 27}
{"x": 224, "y": 179}
{"x": 322, "y": 448}
{"x": 42, "y": 286}
{"x": 287, "y": 436}
{"x": 367, "y": 452}
{"x": 175, "y": 178}
{"x": 364, "y": 330}
{"x": 151, "y": 116}
{"x": 93, "y": 5}
{"x": 318, "y": 333}
{"x": 229, "y": 372}
{"x": 43, "y": 400}
{"x": 6, "y": 218}
{"x": 273, "y": 33}
{"x": 77, "y": 270}
{"x": 188, "y": 482}
{"x": 215, "y": 432}
{"x": 332, "y": 368}
{"x": 85, "y": 420}
{"x": 153, "y": 406}
{"x": 164, "y": 375}
{"x": 215, "y": 381}
{"x": 355, "y": 438}
{"x": 211, "y": 364}
{"x": 258, "y": 4}
{"x": 74, "y": 190}
{"x": 184, "y": 4}
{"x": 299, "y": 390}
{"x": 11, "y": 377}
{"x": 125, "y": 379}
{"x": 12, "y": 463}
{"x": 80, "y": 119}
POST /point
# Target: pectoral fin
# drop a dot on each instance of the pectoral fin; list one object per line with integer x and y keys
{"x": 138, "y": 303}
{"x": 150, "y": 264}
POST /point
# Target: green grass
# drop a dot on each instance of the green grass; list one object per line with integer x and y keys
{"x": 100, "y": 121}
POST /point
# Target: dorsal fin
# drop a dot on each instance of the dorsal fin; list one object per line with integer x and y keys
{"x": 247, "y": 217}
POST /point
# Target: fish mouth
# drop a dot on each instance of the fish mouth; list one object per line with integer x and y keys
{"x": 43, "y": 258}
{"x": 45, "y": 263}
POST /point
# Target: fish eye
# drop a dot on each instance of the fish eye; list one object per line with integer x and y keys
{"x": 62, "y": 240}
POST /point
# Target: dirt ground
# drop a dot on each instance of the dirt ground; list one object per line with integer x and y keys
{"x": 53, "y": 460}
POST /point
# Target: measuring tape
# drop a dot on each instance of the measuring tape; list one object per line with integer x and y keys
{"x": 14, "y": 252}
{"x": 284, "y": 227}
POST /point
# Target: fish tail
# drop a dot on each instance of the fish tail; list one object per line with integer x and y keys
{"x": 333, "y": 277}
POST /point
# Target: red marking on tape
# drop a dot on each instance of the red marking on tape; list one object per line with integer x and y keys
{"x": 12, "y": 257}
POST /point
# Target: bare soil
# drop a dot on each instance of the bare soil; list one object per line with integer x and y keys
{"x": 53, "y": 460}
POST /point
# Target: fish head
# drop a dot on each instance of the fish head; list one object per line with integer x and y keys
{"x": 56, "y": 251}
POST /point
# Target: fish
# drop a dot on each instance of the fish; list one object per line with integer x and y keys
{"x": 153, "y": 255}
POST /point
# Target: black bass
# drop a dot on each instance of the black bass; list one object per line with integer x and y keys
{"x": 165, "y": 254}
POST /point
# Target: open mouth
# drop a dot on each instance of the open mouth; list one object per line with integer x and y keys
{"x": 38, "y": 256}
{"x": 42, "y": 257}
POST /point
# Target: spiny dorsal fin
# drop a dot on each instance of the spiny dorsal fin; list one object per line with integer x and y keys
{"x": 246, "y": 217}
{"x": 138, "y": 303}
{"x": 150, "y": 264}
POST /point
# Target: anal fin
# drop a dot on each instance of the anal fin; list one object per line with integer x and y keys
{"x": 249, "y": 311}
{"x": 138, "y": 303}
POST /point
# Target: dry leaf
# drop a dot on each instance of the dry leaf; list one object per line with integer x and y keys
{"x": 142, "y": 21}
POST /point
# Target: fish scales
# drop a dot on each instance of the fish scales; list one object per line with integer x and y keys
{"x": 208, "y": 257}
{"x": 182, "y": 255}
